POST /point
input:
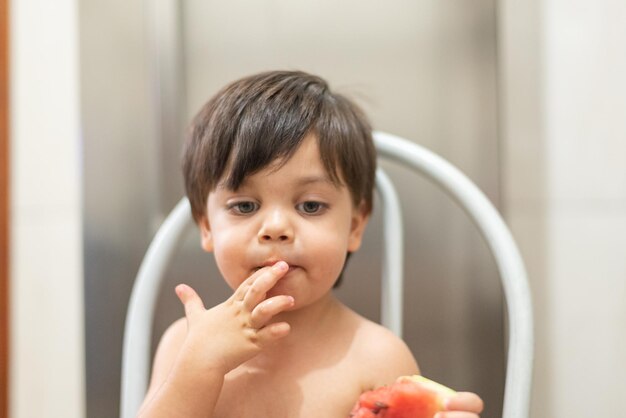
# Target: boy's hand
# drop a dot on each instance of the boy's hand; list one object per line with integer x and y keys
{"x": 462, "y": 405}
{"x": 237, "y": 330}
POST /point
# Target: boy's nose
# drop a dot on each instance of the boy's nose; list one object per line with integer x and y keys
{"x": 276, "y": 227}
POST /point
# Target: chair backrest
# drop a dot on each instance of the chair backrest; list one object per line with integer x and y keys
{"x": 137, "y": 333}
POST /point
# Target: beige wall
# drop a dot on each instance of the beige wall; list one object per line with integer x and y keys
{"x": 564, "y": 136}
{"x": 46, "y": 347}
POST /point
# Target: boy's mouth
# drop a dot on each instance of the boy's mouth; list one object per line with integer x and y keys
{"x": 271, "y": 263}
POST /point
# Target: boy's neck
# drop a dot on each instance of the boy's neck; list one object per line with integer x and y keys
{"x": 308, "y": 326}
{"x": 311, "y": 328}
{"x": 310, "y": 319}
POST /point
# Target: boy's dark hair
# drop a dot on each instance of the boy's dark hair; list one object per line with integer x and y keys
{"x": 263, "y": 118}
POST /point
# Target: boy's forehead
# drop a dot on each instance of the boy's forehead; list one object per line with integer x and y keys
{"x": 269, "y": 177}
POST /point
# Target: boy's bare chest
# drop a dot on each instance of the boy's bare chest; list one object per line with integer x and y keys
{"x": 290, "y": 393}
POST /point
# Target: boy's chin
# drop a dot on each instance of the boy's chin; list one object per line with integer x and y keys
{"x": 285, "y": 283}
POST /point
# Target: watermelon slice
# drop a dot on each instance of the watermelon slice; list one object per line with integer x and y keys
{"x": 409, "y": 397}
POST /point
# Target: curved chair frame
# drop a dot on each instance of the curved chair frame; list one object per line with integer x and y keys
{"x": 137, "y": 335}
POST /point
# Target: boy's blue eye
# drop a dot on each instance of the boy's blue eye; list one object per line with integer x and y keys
{"x": 310, "y": 207}
{"x": 244, "y": 208}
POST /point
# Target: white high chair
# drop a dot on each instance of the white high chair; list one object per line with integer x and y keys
{"x": 138, "y": 328}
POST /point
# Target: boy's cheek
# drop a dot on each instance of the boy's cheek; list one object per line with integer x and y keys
{"x": 232, "y": 273}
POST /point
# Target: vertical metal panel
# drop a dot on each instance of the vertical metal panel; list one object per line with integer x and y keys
{"x": 119, "y": 163}
{"x": 426, "y": 71}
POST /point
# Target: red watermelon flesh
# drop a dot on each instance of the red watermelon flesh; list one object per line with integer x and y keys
{"x": 409, "y": 397}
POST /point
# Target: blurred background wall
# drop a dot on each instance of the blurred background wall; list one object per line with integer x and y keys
{"x": 429, "y": 75}
{"x": 557, "y": 159}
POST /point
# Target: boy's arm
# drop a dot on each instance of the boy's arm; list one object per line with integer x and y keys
{"x": 176, "y": 387}
{"x": 185, "y": 393}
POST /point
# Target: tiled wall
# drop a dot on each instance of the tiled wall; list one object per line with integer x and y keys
{"x": 565, "y": 169}
{"x": 585, "y": 68}
{"x": 46, "y": 352}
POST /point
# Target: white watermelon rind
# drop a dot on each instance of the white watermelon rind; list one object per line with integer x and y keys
{"x": 430, "y": 384}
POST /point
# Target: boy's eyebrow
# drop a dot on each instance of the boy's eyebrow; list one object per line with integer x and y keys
{"x": 314, "y": 179}
{"x": 303, "y": 181}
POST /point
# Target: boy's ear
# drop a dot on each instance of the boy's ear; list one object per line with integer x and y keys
{"x": 360, "y": 216}
{"x": 206, "y": 238}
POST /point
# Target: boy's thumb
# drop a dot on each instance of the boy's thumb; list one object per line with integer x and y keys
{"x": 190, "y": 299}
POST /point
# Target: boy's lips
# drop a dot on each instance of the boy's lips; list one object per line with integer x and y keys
{"x": 272, "y": 262}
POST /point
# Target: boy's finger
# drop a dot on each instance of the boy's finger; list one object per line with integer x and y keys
{"x": 266, "y": 310}
{"x": 272, "y": 332}
{"x": 258, "y": 289}
{"x": 464, "y": 401}
{"x": 241, "y": 291}
{"x": 191, "y": 300}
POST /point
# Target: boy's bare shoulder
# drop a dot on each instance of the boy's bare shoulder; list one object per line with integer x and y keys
{"x": 384, "y": 355}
